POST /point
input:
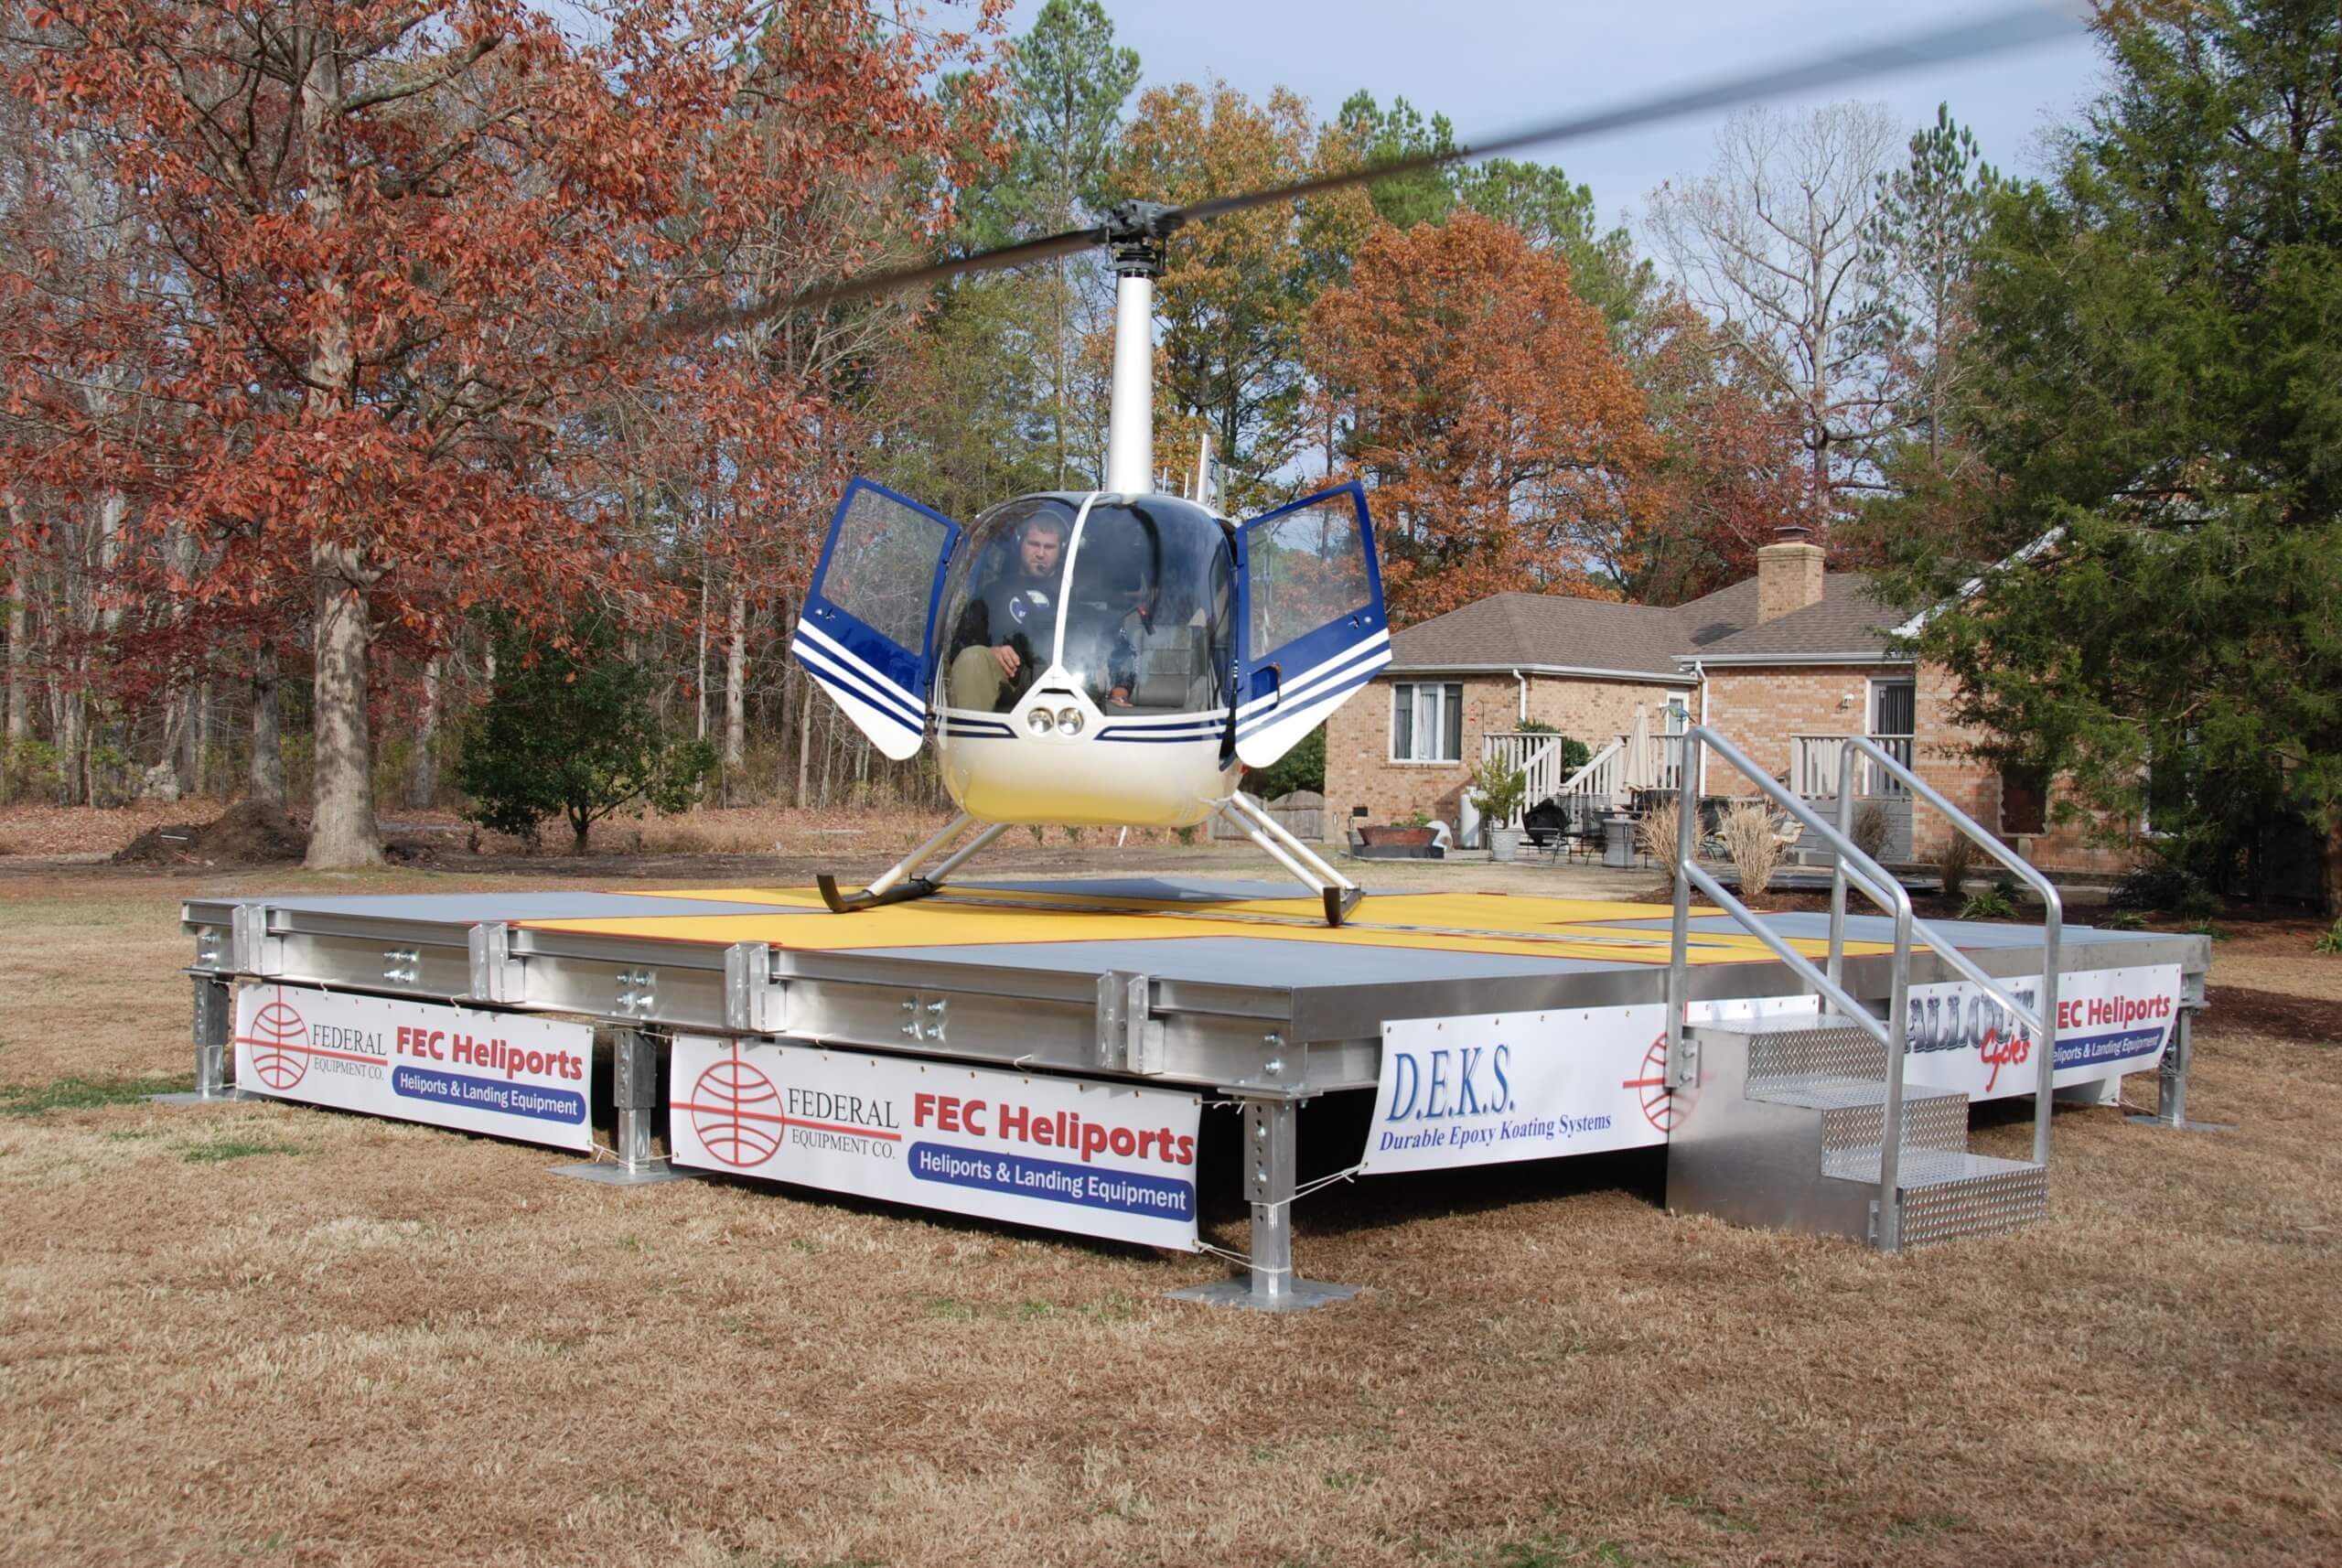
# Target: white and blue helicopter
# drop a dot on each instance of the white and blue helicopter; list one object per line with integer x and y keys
{"x": 1110, "y": 656}
{"x": 1102, "y": 658}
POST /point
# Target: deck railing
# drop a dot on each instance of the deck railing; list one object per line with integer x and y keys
{"x": 1815, "y": 758}
{"x": 1604, "y": 778}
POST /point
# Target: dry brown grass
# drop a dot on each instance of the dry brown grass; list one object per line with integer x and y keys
{"x": 257, "y": 1331}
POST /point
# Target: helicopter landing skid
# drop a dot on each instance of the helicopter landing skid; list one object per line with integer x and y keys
{"x": 903, "y": 882}
{"x": 1341, "y": 894}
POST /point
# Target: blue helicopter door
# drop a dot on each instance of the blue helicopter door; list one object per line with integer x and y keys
{"x": 868, "y": 631}
{"x": 1309, "y": 599}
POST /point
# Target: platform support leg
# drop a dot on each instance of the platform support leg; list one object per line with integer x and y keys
{"x": 1272, "y": 1147}
{"x": 634, "y": 1094}
{"x": 214, "y": 1021}
{"x": 2171, "y": 1082}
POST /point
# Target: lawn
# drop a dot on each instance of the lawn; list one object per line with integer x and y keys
{"x": 261, "y": 1332}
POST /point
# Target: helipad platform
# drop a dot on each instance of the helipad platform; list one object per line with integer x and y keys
{"x": 1536, "y": 1016}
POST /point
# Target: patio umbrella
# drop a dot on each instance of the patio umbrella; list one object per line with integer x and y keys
{"x": 1636, "y": 771}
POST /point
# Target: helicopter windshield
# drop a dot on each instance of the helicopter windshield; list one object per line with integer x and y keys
{"x": 1145, "y": 597}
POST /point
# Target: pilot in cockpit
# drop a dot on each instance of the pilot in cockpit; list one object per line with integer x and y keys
{"x": 994, "y": 656}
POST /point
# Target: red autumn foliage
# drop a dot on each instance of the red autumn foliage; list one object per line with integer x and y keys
{"x": 375, "y": 311}
{"x": 1504, "y": 436}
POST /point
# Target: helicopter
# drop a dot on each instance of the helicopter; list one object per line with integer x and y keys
{"x": 1117, "y": 656}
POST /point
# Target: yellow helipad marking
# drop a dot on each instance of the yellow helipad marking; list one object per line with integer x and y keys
{"x": 1463, "y": 911}
{"x": 1531, "y": 927}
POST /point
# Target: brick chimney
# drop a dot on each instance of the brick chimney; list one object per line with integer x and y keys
{"x": 1789, "y": 573}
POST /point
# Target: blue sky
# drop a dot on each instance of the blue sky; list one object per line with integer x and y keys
{"x": 1493, "y": 65}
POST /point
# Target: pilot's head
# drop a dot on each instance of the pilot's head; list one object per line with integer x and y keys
{"x": 1040, "y": 543}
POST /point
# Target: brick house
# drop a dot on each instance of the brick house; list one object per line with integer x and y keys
{"x": 1783, "y": 664}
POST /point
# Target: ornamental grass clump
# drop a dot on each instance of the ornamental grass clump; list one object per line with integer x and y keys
{"x": 1749, "y": 843}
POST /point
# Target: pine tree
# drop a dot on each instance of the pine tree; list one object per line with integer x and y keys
{"x": 2159, "y": 390}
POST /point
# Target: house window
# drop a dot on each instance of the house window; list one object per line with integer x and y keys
{"x": 1427, "y": 722}
{"x": 2025, "y": 799}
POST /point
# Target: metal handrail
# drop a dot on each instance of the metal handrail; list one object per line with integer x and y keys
{"x": 1855, "y": 866}
{"x": 2043, "y": 1022}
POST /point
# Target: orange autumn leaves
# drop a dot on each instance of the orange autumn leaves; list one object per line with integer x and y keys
{"x": 1505, "y": 439}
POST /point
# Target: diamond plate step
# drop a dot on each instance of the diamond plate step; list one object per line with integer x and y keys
{"x": 1929, "y": 1121}
{"x": 1949, "y": 1196}
{"x": 1791, "y": 1055}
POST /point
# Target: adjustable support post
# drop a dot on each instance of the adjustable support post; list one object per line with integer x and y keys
{"x": 2171, "y": 1077}
{"x": 214, "y": 1023}
{"x": 634, "y": 1096}
{"x": 1272, "y": 1146}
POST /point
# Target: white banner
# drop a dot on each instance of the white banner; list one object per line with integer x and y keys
{"x": 1481, "y": 1089}
{"x": 1485, "y": 1087}
{"x": 2110, "y": 1021}
{"x": 1095, "y": 1158}
{"x": 500, "y": 1073}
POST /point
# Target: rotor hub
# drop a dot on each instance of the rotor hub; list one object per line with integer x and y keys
{"x": 1134, "y": 233}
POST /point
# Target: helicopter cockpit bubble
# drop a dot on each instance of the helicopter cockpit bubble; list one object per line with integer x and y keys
{"x": 1137, "y": 609}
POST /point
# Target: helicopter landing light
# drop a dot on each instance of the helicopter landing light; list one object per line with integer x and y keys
{"x": 1070, "y": 721}
{"x": 1040, "y": 721}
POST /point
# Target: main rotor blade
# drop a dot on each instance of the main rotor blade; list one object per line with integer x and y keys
{"x": 2025, "y": 25}
{"x": 869, "y": 284}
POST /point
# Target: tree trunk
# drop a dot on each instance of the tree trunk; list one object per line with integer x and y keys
{"x": 700, "y": 677}
{"x": 735, "y": 692}
{"x": 341, "y": 827}
{"x": 266, "y": 784}
{"x": 2333, "y": 878}
{"x": 199, "y": 768}
{"x": 422, "y": 766}
{"x": 804, "y": 745}
{"x": 19, "y": 689}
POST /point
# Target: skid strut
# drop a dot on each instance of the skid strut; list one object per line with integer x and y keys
{"x": 903, "y": 882}
{"x": 1341, "y": 894}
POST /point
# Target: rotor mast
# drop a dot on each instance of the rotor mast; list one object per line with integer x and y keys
{"x": 1134, "y": 231}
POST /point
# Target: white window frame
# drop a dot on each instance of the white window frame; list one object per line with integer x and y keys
{"x": 1449, "y": 690}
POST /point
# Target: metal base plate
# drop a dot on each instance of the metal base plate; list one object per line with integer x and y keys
{"x": 189, "y": 1097}
{"x": 1300, "y": 1296}
{"x": 2145, "y": 1121}
{"x": 611, "y": 1175}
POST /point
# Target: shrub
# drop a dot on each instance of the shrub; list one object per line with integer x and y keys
{"x": 568, "y": 730}
{"x": 2122, "y": 921}
{"x": 1654, "y": 835}
{"x": 2331, "y": 941}
{"x": 1748, "y": 841}
{"x": 1497, "y": 791}
{"x": 1958, "y": 857}
{"x": 1302, "y": 767}
{"x": 1994, "y": 903}
{"x": 1870, "y": 829}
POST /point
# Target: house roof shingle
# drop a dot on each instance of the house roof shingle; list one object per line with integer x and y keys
{"x": 1551, "y": 633}
{"x": 1539, "y": 629}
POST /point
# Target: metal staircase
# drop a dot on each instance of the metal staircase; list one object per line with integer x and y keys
{"x": 1800, "y": 1121}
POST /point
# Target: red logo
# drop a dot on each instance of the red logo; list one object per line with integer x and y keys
{"x": 280, "y": 1054}
{"x": 1658, "y": 1101}
{"x": 735, "y": 1110}
{"x": 1999, "y": 1051}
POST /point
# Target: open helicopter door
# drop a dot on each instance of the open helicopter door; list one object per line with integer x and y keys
{"x": 868, "y": 631}
{"x": 1309, "y": 601}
